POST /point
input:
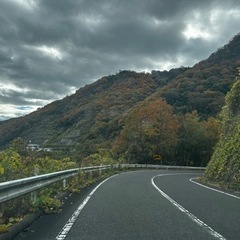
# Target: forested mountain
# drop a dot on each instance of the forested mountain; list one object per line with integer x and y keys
{"x": 204, "y": 86}
{"x": 90, "y": 115}
{"x": 98, "y": 115}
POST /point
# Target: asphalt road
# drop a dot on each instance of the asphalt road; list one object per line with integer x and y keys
{"x": 143, "y": 205}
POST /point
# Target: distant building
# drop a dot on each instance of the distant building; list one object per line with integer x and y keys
{"x": 33, "y": 147}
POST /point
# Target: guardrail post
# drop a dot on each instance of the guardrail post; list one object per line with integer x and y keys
{"x": 33, "y": 196}
{"x": 64, "y": 183}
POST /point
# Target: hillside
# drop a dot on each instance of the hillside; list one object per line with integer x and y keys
{"x": 93, "y": 117}
{"x": 224, "y": 166}
{"x": 204, "y": 86}
{"x": 90, "y": 116}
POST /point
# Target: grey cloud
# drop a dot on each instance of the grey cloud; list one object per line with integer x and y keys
{"x": 98, "y": 38}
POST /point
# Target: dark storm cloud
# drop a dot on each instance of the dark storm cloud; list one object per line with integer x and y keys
{"x": 50, "y": 48}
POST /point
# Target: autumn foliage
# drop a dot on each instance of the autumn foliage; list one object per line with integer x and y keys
{"x": 149, "y": 128}
{"x": 15, "y": 163}
{"x": 152, "y": 128}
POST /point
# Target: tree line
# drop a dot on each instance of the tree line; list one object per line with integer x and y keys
{"x": 152, "y": 128}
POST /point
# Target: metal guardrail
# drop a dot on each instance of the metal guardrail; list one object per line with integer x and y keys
{"x": 165, "y": 167}
{"x": 19, "y": 187}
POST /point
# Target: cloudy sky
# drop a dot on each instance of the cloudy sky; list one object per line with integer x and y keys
{"x": 50, "y": 48}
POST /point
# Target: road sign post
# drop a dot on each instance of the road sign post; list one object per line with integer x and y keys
{"x": 157, "y": 157}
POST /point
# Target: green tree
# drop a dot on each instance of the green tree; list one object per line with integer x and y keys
{"x": 196, "y": 140}
{"x": 233, "y": 98}
{"x": 13, "y": 165}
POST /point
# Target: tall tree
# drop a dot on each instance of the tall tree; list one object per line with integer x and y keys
{"x": 196, "y": 140}
{"x": 150, "y": 128}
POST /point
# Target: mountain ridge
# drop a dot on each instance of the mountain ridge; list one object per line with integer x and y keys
{"x": 91, "y": 118}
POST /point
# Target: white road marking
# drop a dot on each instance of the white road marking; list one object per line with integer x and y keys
{"x": 65, "y": 230}
{"x": 182, "y": 209}
{"x": 213, "y": 189}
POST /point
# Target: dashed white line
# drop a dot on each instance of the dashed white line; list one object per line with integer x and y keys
{"x": 213, "y": 189}
{"x": 65, "y": 230}
{"x": 182, "y": 209}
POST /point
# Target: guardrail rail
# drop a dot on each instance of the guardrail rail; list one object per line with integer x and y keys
{"x": 16, "y": 188}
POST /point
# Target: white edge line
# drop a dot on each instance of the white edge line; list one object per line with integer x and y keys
{"x": 65, "y": 230}
{"x": 213, "y": 189}
{"x": 190, "y": 215}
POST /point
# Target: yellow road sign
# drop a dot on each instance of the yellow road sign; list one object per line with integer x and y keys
{"x": 157, "y": 157}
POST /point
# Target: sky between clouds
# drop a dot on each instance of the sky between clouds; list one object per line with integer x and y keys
{"x": 50, "y": 48}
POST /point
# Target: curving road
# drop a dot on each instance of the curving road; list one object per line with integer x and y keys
{"x": 143, "y": 205}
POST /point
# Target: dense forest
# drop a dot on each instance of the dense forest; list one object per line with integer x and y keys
{"x": 152, "y": 128}
{"x": 133, "y": 116}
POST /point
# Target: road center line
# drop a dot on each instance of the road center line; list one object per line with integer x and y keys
{"x": 65, "y": 230}
{"x": 213, "y": 189}
{"x": 182, "y": 209}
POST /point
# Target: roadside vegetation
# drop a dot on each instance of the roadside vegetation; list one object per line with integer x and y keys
{"x": 17, "y": 162}
{"x": 224, "y": 166}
